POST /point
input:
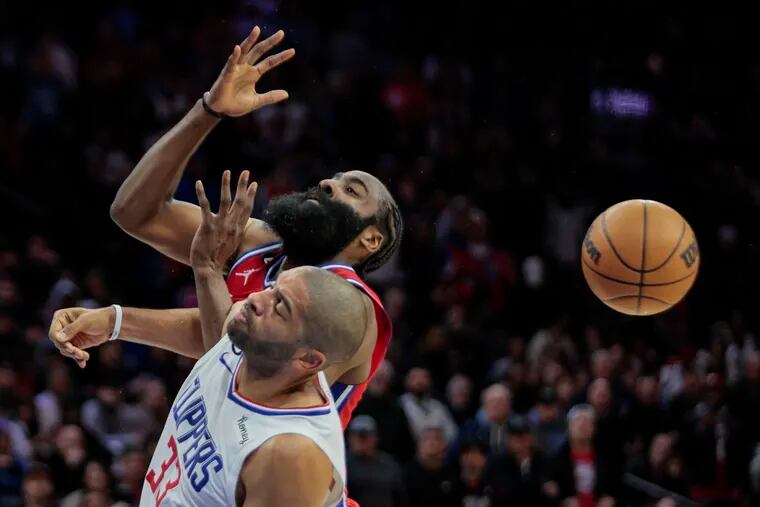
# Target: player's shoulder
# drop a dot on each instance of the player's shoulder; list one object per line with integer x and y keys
{"x": 257, "y": 233}
{"x": 289, "y": 451}
{"x": 350, "y": 275}
{"x": 287, "y": 469}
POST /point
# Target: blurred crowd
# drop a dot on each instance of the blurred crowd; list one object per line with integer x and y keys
{"x": 507, "y": 382}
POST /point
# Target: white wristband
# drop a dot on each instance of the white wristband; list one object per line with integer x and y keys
{"x": 116, "y": 323}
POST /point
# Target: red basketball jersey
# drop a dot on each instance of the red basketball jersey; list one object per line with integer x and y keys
{"x": 257, "y": 269}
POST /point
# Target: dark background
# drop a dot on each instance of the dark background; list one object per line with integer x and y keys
{"x": 492, "y": 126}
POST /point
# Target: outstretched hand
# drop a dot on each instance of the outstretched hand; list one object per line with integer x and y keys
{"x": 234, "y": 92}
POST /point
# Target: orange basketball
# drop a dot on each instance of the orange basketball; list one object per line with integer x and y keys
{"x": 640, "y": 257}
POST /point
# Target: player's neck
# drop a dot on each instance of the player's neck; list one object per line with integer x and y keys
{"x": 279, "y": 390}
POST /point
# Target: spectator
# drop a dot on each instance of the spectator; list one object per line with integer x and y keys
{"x": 69, "y": 458}
{"x": 744, "y": 398}
{"x": 521, "y": 476}
{"x": 131, "y": 469}
{"x": 38, "y": 487}
{"x": 549, "y": 422}
{"x": 11, "y": 473}
{"x": 49, "y": 404}
{"x": 117, "y": 424}
{"x": 459, "y": 398}
{"x": 429, "y": 479}
{"x": 609, "y": 432}
{"x": 662, "y": 467}
{"x": 581, "y": 472}
{"x": 383, "y": 406}
{"x": 489, "y": 426}
{"x": 96, "y": 480}
{"x": 422, "y": 410}
{"x": 376, "y": 479}
{"x": 646, "y": 418}
{"x": 9, "y": 422}
{"x": 471, "y": 488}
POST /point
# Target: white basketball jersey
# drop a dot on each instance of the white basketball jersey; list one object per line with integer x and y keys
{"x": 212, "y": 428}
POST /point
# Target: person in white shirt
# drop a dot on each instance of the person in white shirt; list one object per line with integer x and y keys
{"x": 422, "y": 410}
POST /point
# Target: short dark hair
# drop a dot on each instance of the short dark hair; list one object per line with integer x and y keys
{"x": 336, "y": 316}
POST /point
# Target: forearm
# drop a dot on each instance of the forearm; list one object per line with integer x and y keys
{"x": 155, "y": 178}
{"x": 176, "y": 330}
{"x": 214, "y": 303}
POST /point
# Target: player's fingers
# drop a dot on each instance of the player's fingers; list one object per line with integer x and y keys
{"x": 203, "y": 200}
{"x": 273, "y": 97}
{"x": 250, "y": 198}
{"x": 273, "y": 61}
{"x": 245, "y": 209}
{"x": 75, "y": 353}
{"x": 264, "y": 46}
{"x": 233, "y": 59}
{"x": 60, "y": 319}
{"x": 225, "y": 198}
{"x": 249, "y": 41}
{"x": 79, "y": 356}
{"x": 71, "y": 330}
{"x": 241, "y": 187}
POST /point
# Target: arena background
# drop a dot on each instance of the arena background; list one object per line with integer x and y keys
{"x": 501, "y": 131}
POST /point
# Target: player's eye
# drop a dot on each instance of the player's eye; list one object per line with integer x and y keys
{"x": 351, "y": 191}
{"x": 278, "y": 308}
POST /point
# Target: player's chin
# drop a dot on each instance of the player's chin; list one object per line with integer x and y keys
{"x": 237, "y": 331}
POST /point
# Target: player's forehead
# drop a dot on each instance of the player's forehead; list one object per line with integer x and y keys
{"x": 291, "y": 286}
{"x": 374, "y": 187}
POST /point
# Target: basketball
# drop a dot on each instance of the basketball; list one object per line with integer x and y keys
{"x": 640, "y": 257}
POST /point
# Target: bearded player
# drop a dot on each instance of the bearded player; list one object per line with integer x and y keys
{"x": 254, "y": 422}
{"x": 348, "y": 223}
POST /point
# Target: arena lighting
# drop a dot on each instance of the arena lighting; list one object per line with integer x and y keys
{"x": 621, "y": 103}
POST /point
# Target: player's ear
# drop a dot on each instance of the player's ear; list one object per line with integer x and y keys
{"x": 310, "y": 359}
{"x": 371, "y": 238}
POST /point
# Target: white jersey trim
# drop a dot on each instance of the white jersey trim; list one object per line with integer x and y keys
{"x": 234, "y": 396}
{"x": 256, "y": 251}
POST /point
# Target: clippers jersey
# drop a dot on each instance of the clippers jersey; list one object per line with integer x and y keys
{"x": 257, "y": 269}
{"x": 212, "y": 428}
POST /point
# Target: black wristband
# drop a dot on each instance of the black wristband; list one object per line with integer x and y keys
{"x": 210, "y": 111}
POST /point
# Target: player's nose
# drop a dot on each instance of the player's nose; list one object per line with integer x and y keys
{"x": 255, "y": 303}
{"x": 327, "y": 186}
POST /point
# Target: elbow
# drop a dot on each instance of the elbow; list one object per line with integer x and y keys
{"x": 131, "y": 216}
{"x": 120, "y": 214}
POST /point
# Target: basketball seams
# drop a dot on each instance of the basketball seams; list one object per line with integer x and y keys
{"x": 643, "y": 294}
{"x": 663, "y": 284}
{"x": 672, "y": 252}
{"x": 643, "y": 256}
{"x": 681, "y": 237}
{"x": 612, "y": 245}
{"x": 638, "y": 296}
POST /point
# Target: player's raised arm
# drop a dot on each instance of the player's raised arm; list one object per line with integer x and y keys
{"x": 73, "y": 330}
{"x": 216, "y": 240}
{"x": 144, "y": 205}
{"x": 289, "y": 469}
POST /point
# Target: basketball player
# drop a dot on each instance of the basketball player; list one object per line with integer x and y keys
{"x": 254, "y": 423}
{"x": 348, "y": 223}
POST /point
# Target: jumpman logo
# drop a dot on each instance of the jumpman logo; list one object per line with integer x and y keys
{"x": 247, "y": 273}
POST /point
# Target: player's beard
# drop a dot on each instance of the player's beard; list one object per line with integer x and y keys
{"x": 313, "y": 233}
{"x": 264, "y": 358}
